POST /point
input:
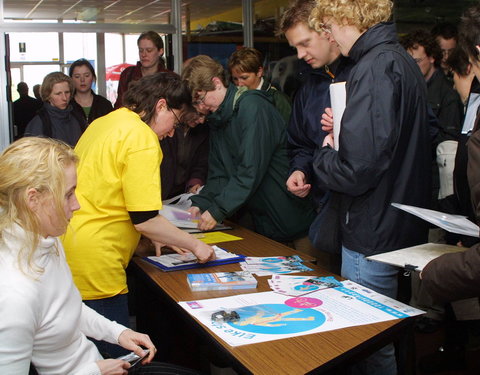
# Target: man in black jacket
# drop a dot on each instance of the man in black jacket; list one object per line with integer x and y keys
{"x": 384, "y": 148}
{"x": 322, "y": 64}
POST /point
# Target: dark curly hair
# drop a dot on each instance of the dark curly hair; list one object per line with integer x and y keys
{"x": 469, "y": 31}
{"x": 458, "y": 62}
{"x": 423, "y": 38}
{"x": 446, "y": 30}
{"x": 142, "y": 95}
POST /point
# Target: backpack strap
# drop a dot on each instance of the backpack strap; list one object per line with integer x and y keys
{"x": 241, "y": 90}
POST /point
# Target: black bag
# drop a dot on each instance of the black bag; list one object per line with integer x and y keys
{"x": 324, "y": 232}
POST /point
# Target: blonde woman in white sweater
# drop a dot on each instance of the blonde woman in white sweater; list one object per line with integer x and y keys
{"x": 43, "y": 320}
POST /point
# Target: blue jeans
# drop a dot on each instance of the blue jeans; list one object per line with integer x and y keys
{"x": 113, "y": 308}
{"x": 381, "y": 278}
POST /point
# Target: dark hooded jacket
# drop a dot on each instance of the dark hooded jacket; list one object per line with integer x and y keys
{"x": 100, "y": 107}
{"x": 304, "y": 130}
{"x": 384, "y": 147}
{"x": 248, "y": 167}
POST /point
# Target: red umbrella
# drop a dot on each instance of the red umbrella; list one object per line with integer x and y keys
{"x": 113, "y": 72}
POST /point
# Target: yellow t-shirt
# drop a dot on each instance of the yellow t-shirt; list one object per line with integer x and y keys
{"x": 119, "y": 171}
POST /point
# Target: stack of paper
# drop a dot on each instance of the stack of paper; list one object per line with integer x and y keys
{"x": 173, "y": 262}
{"x": 221, "y": 281}
{"x": 415, "y": 258}
{"x": 299, "y": 285}
{"x": 265, "y": 266}
{"x": 181, "y": 218}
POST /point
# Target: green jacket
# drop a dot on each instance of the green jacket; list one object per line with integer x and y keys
{"x": 248, "y": 167}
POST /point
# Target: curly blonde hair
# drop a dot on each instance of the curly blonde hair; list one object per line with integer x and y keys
{"x": 32, "y": 162}
{"x": 362, "y": 14}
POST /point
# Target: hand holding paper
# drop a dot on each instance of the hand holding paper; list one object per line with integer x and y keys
{"x": 338, "y": 97}
{"x": 327, "y": 120}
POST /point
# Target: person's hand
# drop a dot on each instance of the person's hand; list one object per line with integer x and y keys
{"x": 203, "y": 252}
{"x": 206, "y": 221}
{"x": 113, "y": 367}
{"x": 327, "y": 120}
{"x": 145, "y": 247}
{"x": 296, "y": 184}
{"x": 160, "y": 245}
{"x": 328, "y": 140}
{"x": 131, "y": 340}
{"x": 194, "y": 189}
{"x": 195, "y": 212}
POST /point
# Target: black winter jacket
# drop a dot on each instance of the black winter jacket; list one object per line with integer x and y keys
{"x": 384, "y": 153}
{"x": 304, "y": 130}
{"x": 100, "y": 107}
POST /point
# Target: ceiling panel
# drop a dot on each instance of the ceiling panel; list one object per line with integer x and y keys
{"x": 112, "y": 11}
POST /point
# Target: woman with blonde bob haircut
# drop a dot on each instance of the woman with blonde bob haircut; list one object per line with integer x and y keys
{"x": 57, "y": 119}
{"x": 383, "y": 149}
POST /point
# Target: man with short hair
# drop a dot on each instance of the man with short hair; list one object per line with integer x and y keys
{"x": 322, "y": 64}
{"x": 443, "y": 99}
{"x": 24, "y": 109}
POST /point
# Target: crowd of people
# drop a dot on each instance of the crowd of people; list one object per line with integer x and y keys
{"x": 249, "y": 153}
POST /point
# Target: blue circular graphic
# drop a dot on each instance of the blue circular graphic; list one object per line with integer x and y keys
{"x": 306, "y": 287}
{"x": 271, "y": 260}
{"x": 277, "y": 319}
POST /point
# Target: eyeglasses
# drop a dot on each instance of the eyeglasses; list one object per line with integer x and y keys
{"x": 201, "y": 100}
{"x": 178, "y": 123}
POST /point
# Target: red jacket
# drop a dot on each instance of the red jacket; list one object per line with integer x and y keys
{"x": 132, "y": 73}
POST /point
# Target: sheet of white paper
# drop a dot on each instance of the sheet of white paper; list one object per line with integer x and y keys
{"x": 179, "y": 217}
{"x": 451, "y": 223}
{"x": 417, "y": 256}
{"x": 338, "y": 97}
{"x": 172, "y": 260}
{"x": 271, "y": 316}
{"x": 471, "y": 115}
{"x": 181, "y": 201}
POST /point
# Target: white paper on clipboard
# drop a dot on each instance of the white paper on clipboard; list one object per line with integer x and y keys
{"x": 338, "y": 99}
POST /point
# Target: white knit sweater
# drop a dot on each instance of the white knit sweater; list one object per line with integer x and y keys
{"x": 42, "y": 317}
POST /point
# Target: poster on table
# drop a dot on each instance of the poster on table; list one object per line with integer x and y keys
{"x": 258, "y": 317}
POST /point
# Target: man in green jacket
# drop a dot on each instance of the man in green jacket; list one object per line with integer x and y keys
{"x": 248, "y": 163}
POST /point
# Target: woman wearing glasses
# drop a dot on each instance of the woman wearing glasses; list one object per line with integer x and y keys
{"x": 119, "y": 194}
{"x": 185, "y": 157}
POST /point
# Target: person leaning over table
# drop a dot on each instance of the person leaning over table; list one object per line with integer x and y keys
{"x": 120, "y": 195}
{"x": 44, "y": 321}
{"x": 185, "y": 156}
{"x": 248, "y": 162}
